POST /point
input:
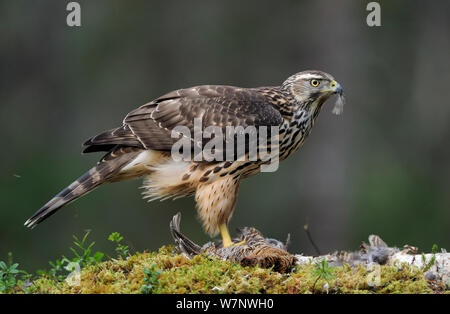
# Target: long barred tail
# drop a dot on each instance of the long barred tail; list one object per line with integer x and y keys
{"x": 106, "y": 170}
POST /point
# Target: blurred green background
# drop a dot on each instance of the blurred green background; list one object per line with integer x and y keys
{"x": 383, "y": 167}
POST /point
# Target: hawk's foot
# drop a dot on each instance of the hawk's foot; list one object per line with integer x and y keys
{"x": 226, "y": 239}
{"x": 240, "y": 243}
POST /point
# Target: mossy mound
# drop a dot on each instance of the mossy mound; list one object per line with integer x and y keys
{"x": 174, "y": 273}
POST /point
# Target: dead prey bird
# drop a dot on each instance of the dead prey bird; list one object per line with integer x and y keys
{"x": 252, "y": 249}
{"x": 143, "y": 145}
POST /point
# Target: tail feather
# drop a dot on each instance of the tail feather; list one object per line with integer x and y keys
{"x": 107, "y": 140}
{"x": 103, "y": 172}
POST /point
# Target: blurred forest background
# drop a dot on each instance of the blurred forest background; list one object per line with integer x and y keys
{"x": 382, "y": 167}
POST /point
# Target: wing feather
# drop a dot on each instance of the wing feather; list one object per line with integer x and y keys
{"x": 150, "y": 125}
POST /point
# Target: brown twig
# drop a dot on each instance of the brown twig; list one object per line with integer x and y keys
{"x": 306, "y": 227}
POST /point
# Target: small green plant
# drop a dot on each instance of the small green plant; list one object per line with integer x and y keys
{"x": 8, "y": 274}
{"x": 430, "y": 263}
{"x": 150, "y": 280}
{"x": 121, "y": 249}
{"x": 322, "y": 271}
{"x": 83, "y": 257}
{"x": 83, "y": 252}
{"x": 57, "y": 270}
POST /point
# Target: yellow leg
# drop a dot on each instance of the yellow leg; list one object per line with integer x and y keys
{"x": 226, "y": 239}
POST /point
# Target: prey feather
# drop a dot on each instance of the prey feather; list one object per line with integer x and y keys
{"x": 339, "y": 105}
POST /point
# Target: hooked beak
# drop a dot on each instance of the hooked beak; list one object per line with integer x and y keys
{"x": 336, "y": 88}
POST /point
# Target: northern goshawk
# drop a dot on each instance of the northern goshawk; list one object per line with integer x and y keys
{"x": 143, "y": 145}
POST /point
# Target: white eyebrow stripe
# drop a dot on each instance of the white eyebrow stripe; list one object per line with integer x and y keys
{"x": 309, "y": 76}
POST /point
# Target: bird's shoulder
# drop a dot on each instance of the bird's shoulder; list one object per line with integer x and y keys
{"x": 215, "y": 105}
{"x": 150, "y": 125}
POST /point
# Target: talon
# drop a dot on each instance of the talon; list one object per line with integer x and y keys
{"x": 240, "y": 243}
{"x": 235, "y": 243}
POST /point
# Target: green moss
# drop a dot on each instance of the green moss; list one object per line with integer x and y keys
{"x": 207, "y": 275}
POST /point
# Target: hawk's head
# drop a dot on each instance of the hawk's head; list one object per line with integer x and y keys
{"x": 313, "y": 88}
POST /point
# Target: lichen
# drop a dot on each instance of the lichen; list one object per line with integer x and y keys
{"x": 203, "y": 274}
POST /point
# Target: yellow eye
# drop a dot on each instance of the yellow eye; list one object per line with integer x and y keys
{"x": 315, "y": 83}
